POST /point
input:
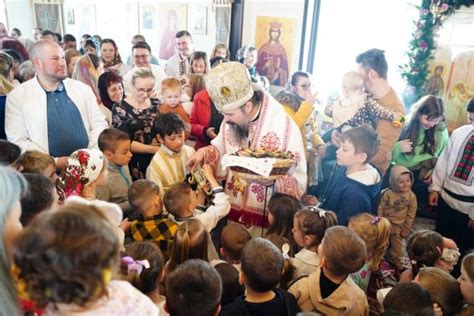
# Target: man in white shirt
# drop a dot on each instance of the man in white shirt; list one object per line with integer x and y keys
{"x": 52, "y": 113}
{"x": 141, "y": 53}
{"x": 452, "y": 188}
{"x": 179, "y": 64}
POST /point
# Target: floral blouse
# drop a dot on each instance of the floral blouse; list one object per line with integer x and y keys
{"x": 139, "y": 125}
{"x": 122, "y": 299}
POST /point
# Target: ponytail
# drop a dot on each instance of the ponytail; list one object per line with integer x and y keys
{"x": 142, "y": 265}
{"x": 314, "y": 221}
{"x": 375, "y": 231}
{"x": 382, "y": 240}
{"x": 190, "y": 242}
{"x": 184, "y": 248}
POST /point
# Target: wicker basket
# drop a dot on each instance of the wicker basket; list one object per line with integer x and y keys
{"x": 280, "y": 169}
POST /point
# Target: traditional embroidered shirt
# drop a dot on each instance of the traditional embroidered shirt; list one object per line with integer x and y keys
{"x": 158, "y": 228}
{"x": 177, "y": 66}
{"x": 454, "y": 170}
{"x": 272, "y": 130}
{"x": 168, "y": 168}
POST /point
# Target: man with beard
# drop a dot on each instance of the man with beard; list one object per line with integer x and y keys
{"x": 52, "y": 113}
{"x": 254, "y": 120}
{"x": 372, "y": 65}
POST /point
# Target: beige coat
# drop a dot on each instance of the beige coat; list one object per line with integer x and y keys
{"x": 348, "y": 299}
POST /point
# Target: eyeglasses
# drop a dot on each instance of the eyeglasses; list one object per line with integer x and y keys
{"x": 141, "y": 56}
{"x": 145, "y": 91}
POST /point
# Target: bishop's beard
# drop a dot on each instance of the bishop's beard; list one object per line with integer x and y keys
{"x": 240, "y": 131}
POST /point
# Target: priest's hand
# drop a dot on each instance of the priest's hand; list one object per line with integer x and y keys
{"x": 195, "y": 160}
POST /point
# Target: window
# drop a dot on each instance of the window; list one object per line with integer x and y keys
{"x": 347, "y": 28}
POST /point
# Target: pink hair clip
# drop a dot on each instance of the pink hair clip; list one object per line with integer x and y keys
{"x": 375, "y": 220}
{"x": 135, "y": 265}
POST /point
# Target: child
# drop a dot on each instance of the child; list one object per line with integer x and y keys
{"x": 10, "y": 155}
{"x": 194, "y": 288}
{"x": 358, "y": 107}
{"x": 443, "y": 287}
{"x": 69, "y": 269}
{"x": 181, "y": 201}
{"x": 171, "y": 92}
{"x": 375, "y": 231}
{"x": 142, "y": 265}
{"x": 427, "y": 248}
{"x": 466, "y": 283}
{"x": 231, "y": 288}
{"x": 41, "y": 195}
{"x": 289, "y": 269}
{"x": 199, "y": 63}
{"x": 220, "y": 50}
{"x": 398, "y": 205}
{"x": 193, "y": 84}
{"x": 262, "y": 266}
{"x": 408, "y": 299}
{"x": 34, "y": 161}
{"x": 151, "y": 224}
{"x": 329, "y": 290}
{"x": 192, "y": 241}
{"x": 234, "y": 237}
{"x": 86, "y": 169}
{"x": 354, "y": 186}
{"x": 168, "y": 165}
{"x": 308, "y": 231}
{"x": 281, "y": 210}
{"x": 452, "y": 180}
{"x": 115, "y": 145}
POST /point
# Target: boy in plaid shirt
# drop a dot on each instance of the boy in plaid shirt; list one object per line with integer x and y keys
{"x": 151, "y": 224}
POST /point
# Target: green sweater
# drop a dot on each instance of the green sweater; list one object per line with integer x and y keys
{"x": 411, "y": 160}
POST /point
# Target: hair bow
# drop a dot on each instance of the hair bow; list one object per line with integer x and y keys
{"x": 135, "y": 265}
{"x": 375, "y": 220}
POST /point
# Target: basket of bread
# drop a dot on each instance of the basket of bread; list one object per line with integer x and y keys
{"x": 259, "y": 165}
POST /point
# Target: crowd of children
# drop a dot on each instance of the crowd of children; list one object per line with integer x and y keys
{"x": 307, "y": 263}
{"x": 116, "y": 233}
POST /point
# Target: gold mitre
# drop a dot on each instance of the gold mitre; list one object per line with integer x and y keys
{"x": 229, "y": 86}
